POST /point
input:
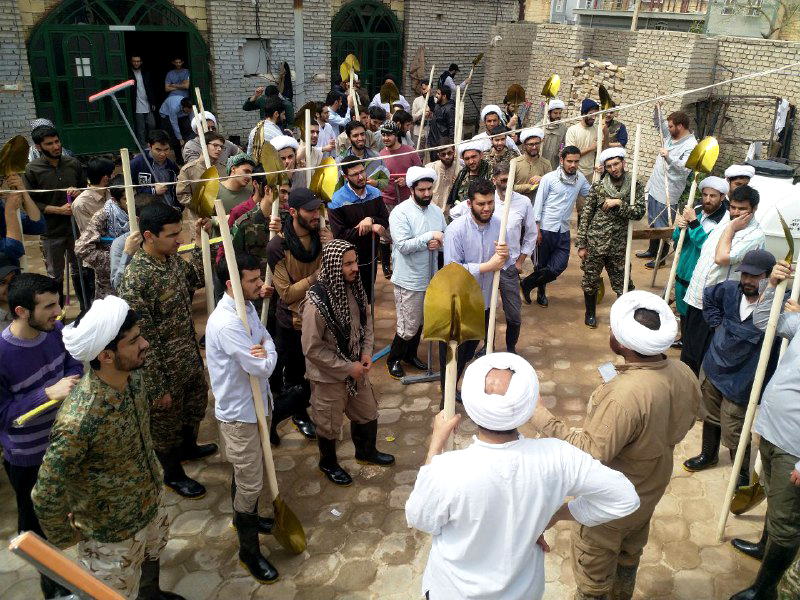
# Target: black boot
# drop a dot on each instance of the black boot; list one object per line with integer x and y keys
{"x": 249, "y": 551}
{"x": 744, "y": 471}
{"x": 396, "y": 353}
{"x": 749, "y": 548}
{"x": 709, "y": 451}
{"x": 51, "y": 589}
{"x": 541, "y": 297}
{"x": 364, "y": 437}
{"x": 189, "y": 449}
{"x": 284, "y": 405}
{"x": 386, "y": 259}
{"x": 328, "y": 463}
{"x": 176, "y": 479}
{"x": 529, "y": 283}
{"x": 412, "y": 347}
{"x": 512, "y": 337}
{"x": 148, "y": 583}
{"x": 774, "y": 564}
{"x": 265, "y": 524}
{"x": 304, "y": 424}
{"x": 651, "y": 250}
{"x": 590, "y": 317}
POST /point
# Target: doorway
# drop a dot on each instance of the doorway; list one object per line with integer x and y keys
{"x": 157, "y": 50}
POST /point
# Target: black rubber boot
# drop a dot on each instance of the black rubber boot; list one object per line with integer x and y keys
{"x": 304, "y": 424}
{"x": 541, "y": 297}
{"x": 328, "y": 463}
{"x": 51, "y": 589}
{"x": 284, "y": 406}
{"x": 652, "y": 248}
{"x": 529, "y": 283}
{"x": 624, "y": 582}
{"x": 744, "y": 472}
{"x": 753, "y": 550}
{"x": 512, "y": 337}
{"x": 249, "y": 551}
{"x": 709, "y": 451}
{"x": 774, "y": 564}
{"x": 189, "y": 449}
{"x": 176, "y": 479}
{"x": 396, "y": 354}
{"x": 386, "y": 259}
{"x": 265, "y": 524}
{"x": 412, "y": 347}
{"x": 148, "y": 583}
{"x": 365, "y": 436}
{"x": 590, "y": 316}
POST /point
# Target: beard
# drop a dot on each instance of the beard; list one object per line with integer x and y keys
{"x": 49, "y": 154}
{"x": 127, "y": 365}
{"x": 41, "y": 325}
{"x": 306, "y": 224}
{"x": 749, "y": 291}
{"x": 423, "y": 201}
{"x": 479, "y": 218}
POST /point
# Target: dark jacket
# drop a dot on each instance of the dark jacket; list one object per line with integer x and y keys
{"x": 346, "y": 211}
{"x": 442, "y": 123}
{"x": 148, "y": 89}
{"x": 142, "y": 175}
{"x": 41, "y": 175}
{"x": 260, "y": 104}
{"x": 732, "y": 357}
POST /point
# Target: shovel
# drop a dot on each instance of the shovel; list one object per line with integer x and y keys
{"x": 271, "y": 163}
{"x": 422, "y": 119}
{"x": 755, "y": 395}
{"x": 205, "y": 246}
{"x": 634, "y": 176}
{"x": 701, "y": 160}
{"x": 606, "y": 103}
{"x": 454, "y": 314}
{"x": 287, "y": 530}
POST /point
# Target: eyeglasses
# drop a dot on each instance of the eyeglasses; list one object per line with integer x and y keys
{"x": 218, "y": 146}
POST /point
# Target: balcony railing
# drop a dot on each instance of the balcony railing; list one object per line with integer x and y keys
{"x": 662, "y": 6}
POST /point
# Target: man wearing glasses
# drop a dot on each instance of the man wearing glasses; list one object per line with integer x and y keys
{"x": 530, "y": 166}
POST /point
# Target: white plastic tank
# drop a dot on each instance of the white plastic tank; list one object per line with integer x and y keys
{"x": 778, "y": 194}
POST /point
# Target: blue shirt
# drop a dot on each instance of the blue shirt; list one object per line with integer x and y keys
{"x": 175, "y": 77}
{"x": 12, "y": 248}
{"x": 412, "y": 227}
{"x": 555, "y": 199}
{"x": 470, "y": 244}
{"x": 171, "y": 108}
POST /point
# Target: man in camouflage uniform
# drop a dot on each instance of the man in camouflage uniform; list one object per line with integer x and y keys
{"x": 499, "y": 152}
{"x": 158, "y": 285}
{"x": 602, "y": 234}
{"x": 100, "y": 482}
{"x": 475, "y": 167}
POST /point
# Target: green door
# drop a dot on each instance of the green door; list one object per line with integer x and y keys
{"x": 370, "y": 31}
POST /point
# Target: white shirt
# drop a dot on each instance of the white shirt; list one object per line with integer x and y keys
{"x": 675, "y": 166}
{"x": 270, "y": 131}
{"x": 555, "y": 199}
{"x": 230, "y": 363}
{"x": 326, "y": 135}
{"x": 338, "y": 123}
{"x": 142, "y": 106}
{"x": 486, "y": 506}
{"x": 376, "y": 101}
{"x": 412, "y": 227}
{"x": 746, "y": 307}
{"x": 707, "y": 272}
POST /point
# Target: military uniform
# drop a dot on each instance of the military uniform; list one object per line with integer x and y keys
{"x": 604, "y": 234}
{"x": 507, "y": 155}
{"x": 251, "y": 235}
{"x": 461, "y": 186}
{"x": 101, "y": 468}
{"x": 161, "y": 294}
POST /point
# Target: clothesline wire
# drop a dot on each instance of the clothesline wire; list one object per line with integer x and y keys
{"x": 620, "y": 108}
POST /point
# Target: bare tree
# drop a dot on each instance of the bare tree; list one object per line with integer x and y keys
{"x": 780, "y": 15}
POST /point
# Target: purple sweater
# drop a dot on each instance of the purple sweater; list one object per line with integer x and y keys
{"x": 27, "y": 367}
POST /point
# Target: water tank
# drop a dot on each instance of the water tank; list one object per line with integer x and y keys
{"x": 778, "y": 194}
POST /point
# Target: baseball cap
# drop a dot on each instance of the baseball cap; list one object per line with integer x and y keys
{"x": 454, "y": 67}
{"x": 756, "y": 262}
{"x": 7, "y": 266}
{"x": 303, "y": 198}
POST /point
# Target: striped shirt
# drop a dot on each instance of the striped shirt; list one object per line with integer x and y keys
{"x": 27, "y": 367}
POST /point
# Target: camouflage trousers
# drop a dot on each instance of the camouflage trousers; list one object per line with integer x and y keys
{"x": 789, "y": 587}
{"x": 613, "y": 263}
{"x": 189, "y": 401}
{"x": 119, "y": 564}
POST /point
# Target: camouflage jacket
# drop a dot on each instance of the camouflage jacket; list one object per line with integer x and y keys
{"x": 161, "y": 294}
{"x": 459, "y": 191}
{"x": 100, "y": 465}
{"x": 96, "y": 253}
{"x": 603, "y": 231}
{"x": 493, "y": 159}
{"x": 251, "y": 235}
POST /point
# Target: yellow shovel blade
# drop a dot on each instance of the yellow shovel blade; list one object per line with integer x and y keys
{"x": 476, "y": 60}
{"x": 271, "y": 163}
{"x": 352, "y": 62}
{"x": 344, "y": 71}
{"x": 454, "y": 306}
{"x": 389, "y": 94}
{"x": 550, "y": 89}
{"x": 748, "y": 497}
{"x": 14, "y": 155}
{"x": 605, "y": 98}
{"x": 323, "y": 183}
{"x": 704, "y": 156}
{"x": 300, "y": 117}
{"x": 601, "y": 291}
{"x": 787, "y": 233}
{"x": 515, "y": 94}
{"x": 204, "y": 193}
{"x": 288, "y": 530}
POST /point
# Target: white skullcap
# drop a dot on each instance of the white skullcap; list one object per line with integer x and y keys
{"x": 531, "y": 132}
{"x": 414, "y": 174}
{"x": 492, "y": 108}
{"x": 739, "y": 171}
{"x": 281, "y": 142}
{"x": 554, "y": 104}
{"x": 610, "y": 153}
{"x": 635, "y": 336}
{"x": 208, "y": 116}
{"x": 478, "y": 145}
{"x": 716, "y": 183}
{"x": 493, "y": 411}
{"x": 96, "y": 329}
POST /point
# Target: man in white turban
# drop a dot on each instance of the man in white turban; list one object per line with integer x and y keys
{"x": 633, "y": 423}
{"x": 555, "y": 132}
{"x": 492, "y": 116}
{"x": 475, "y": 167}
{"x": 530, "y": 167}
{"x": 738, "y": 175}
{"x": 192, "y": 149}
{"x": 487, "y": 506}
{"x": 100, "y": 483}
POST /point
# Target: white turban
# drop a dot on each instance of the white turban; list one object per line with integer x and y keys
{"x": 610, "y": 153}
{"x": 554, "y": 104}
{"x": 716, "y": 183}
{"x": 635, "y": 336}
{"x": 739, "y": 171}
{"x": 492, "y": 108}
{"x": 281, "y": 142}
{"x": 493, "y": 411}
{"x": 97, "y": 328}
{"x": 478, "y": 145}
{"x": 531, "y": 132}
{"x": 484, "y": 140}
{"x": 414, "y": 174}
{"x": 208, "y": 116}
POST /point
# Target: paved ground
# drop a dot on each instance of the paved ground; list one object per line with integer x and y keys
{"x": 359, "y": 546}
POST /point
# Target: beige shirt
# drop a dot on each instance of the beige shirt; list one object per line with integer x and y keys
{"x": 525, "y": 169}
{"x": 88, "y": 202}
{"x": 633, "y": 423}
{"x": 191, "y": 171}
{"x": 554, "y": 136}
{"x": 292, "y": 278}
{"x": 583, "y": 137}
{"x": 319, "y": 344}
{"x": 444, "y": 182}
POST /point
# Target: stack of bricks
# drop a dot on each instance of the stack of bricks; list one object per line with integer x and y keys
{"x": 587, "y": 76}
{"x": 16, "y": 106}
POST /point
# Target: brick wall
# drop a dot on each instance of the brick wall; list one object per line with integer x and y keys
{"x": 587, "y": 76}
{"x": 537, "y": 11}
{"x": 16, "y": 107}
{"x": 508, "y": 62}
{"x": 612, "y": 45}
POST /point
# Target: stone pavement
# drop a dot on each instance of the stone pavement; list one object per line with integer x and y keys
{"x": 359, "y": 545}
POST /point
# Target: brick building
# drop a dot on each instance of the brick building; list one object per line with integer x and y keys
{"x": 55, "y": 54}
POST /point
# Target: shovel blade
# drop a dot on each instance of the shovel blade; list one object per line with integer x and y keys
{"x": 704, "y": 156}
{"x": 271, "y": 163}
{"x": 515, "y": 94}
{"x": 748, "y": 497}
{"x": 389, "y": 94}
{"x": 352, "y": 62}
{"x": 787, "y": 233}
{"x": 605, "y": 98}
{"x": 204, "y": 193}
{"x": 550, "y": 89}
{"x": 14, "y": 155}
{"x": 476, "y": 60}
{"x": 323, "y": 183}
{"x": 288, "y": 530}
{"x": 454, "y": 307}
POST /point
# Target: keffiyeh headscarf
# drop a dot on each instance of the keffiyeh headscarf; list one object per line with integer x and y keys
{"x": 117, "y": 219}
{"x": 329, "y": 295}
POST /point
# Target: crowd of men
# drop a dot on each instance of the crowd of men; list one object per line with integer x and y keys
{"x": 118, "y": 395}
